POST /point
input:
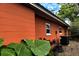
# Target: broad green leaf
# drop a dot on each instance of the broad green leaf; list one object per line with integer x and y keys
{"x": 20, "y": 49}
{"x": 30, "y": 43}
{"x": 7, "y": 52}
{"x": 25, "y": 51}
{"x": 1, "y": 42}
{"x": 12, "y": 45}
{"x": 39, "y": 47}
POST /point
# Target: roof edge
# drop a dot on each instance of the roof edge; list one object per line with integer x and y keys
{"x": 46, "y": 11}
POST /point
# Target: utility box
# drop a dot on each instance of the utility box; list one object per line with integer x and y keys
{"x": 64, "y": 40}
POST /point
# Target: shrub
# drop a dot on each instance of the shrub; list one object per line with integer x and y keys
{"x": 26, "y": 48}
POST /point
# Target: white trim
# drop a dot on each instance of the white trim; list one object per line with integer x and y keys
{"x": 48, "y": 33}
{"x": 60, "y": 33}
{"x": 48, "y": 24}
{"x": 48, "y": 28}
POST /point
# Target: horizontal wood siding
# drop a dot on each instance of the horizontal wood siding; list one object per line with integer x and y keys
{"x": 16, "y": 22}
{"x": 41, "y": 31}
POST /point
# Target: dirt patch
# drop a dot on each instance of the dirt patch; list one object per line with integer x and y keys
{"x": 71, "y": 50}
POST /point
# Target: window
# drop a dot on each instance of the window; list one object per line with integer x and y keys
{"x": 60, "y": 30}
{"x": 48, "y": 32}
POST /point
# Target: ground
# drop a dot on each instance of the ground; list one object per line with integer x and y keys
{"x": 71, "y": 50}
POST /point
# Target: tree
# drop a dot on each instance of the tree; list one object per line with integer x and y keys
{"x": 69, "y": 10}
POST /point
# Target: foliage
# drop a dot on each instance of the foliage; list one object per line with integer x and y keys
{"x": 75, "y": 28}
{"x": 39, "y": 47}
{"x": 7, "y": 52}
{"x": 26, "y": 48}
{"x": 69, "y": 10}
{"x": 20, "y": 49}
{"x": 1, "y": 42}
{"x": 51, "y": 53}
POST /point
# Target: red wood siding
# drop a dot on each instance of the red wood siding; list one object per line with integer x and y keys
{"x": 40, "y": 29}
{"x": 16, "y": 22}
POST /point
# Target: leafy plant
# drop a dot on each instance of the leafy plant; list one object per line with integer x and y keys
{"x": 25, "y": 48}
{"x": 7, "y": 52}
{"x": 51, "y": 53}
{"x": 39, "y": 47}
{"x": 20, "y": 49}
{"x": 69, "y": 10}
{"x": 1, "y": 42}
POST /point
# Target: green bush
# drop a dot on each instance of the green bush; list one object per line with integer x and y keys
{"x": 26, "y": 48}
{"x": 39, "y": 47}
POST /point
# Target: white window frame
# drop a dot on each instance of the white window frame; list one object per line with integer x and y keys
{"x": 48, "y": 28}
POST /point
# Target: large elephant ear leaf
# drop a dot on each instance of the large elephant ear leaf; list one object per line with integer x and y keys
{"x": 7, "y": 52}
{"x": 25, "y": 51}
{"x": 1, "y": 42}
{"x": 20, "y": 49}
{"x": 41, "y": 47}
{"x": 12, "y": 45}
{"x": 30, "y": 43}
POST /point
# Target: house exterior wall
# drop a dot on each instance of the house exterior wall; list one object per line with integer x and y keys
{"x": 17, "y": 22}
{"x": 41, "y": 31}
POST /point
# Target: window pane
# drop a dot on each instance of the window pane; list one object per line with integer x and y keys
{"x": 47, "y": 31}
{"x": 47, "y": 28}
